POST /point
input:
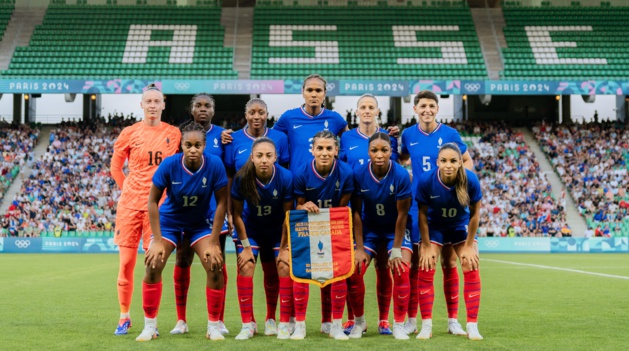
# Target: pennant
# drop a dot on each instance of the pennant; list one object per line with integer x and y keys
{"x": 321, "y": 245}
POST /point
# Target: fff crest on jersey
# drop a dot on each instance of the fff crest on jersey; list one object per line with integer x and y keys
{"x": 392, "y": 188}
{"x": 440, "y": 141}
{"x": 275, "y": 193}
{"x": 338, "y": 185}
{"x": 204, "y": 181}
{"x": 326, "y": 124}
{"x": 215, "y": 142}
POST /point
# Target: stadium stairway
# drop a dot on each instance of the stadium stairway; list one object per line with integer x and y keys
{"x": 19, "y": 32}
{"x": 489, "y": 23}
{"x": 238, "y": 24}
{"x": 576, "y": 222}
{"x": 38, "y": 151}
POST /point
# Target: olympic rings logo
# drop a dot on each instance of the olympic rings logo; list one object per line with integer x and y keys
{"x": 182, "y": 86}
{"x": 22, "y": 244}
{"x": 330, "y": 86}
{"x": 472, "y": 87}
{"x": 492, "y": 243}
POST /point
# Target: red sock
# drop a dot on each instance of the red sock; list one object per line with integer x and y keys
{"x": 384, "y": 288}
{"x": 471, "y": 290}
{"x": 338, "y": 295}
{"x": 286, "y": 299}
{"x": 221, "y": 317}
{"x": 426, "y": 291}
{"x": 301, "y": 292}
{"x": 451, "y": 290}
{"x": 413, "y": 302}
{"x": 350, "y": 311}
{"x": 245, "y": 297}
{"x": 214, "y": 298}
{"x": 326, "y": 304}
{"x": 181, "y": 276}
{"x": 401, "y": 294}
{"x": 356, "y": 293}
{"x": 151, "y": 296}
{"x": 271, "y": 288}
{"x": 128, "y": 257}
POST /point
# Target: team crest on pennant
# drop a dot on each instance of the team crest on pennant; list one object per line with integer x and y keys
{"x": 321, "y": 245}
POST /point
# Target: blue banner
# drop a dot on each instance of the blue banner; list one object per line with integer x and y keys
{"x": 596, "y": 244}
{"x": 514, "y": 245}
{"x": 69, "y": 245}
{"x": 22, "y": 245}
{"x": 334, "y": 87}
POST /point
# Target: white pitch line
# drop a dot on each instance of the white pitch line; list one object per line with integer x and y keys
{"x": 558, "y": 269}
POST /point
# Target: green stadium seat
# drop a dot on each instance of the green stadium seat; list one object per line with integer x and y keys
{"x": 65, "y": 45}
{"x": 348, "y": 49}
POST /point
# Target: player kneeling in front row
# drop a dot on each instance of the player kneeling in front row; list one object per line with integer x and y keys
{"x": 450, "y": 201}
{"x": 189, "y": 179}
{"x": 261, "y": 194}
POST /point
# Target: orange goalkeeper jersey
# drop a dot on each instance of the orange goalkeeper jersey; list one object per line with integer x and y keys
{"x": 145, "y": 147}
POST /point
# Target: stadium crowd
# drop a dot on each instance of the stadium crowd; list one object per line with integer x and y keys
{"x": 518, "y": 199}
{"x": 70, "y": 187}
{"x": 591, "y": 160}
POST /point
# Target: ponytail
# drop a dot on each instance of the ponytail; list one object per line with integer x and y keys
{"x": 461, "y": 176}
{"x": 247, "y": 174}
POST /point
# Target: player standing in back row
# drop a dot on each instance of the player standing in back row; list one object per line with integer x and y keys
{"x": 422, "y": 144}
{"x": 144, "y": 144}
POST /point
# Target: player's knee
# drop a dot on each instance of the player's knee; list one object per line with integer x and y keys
{"x": 154, "y": 274}
{"x": 282, "y": 269}
{"x": 247, "y": 269}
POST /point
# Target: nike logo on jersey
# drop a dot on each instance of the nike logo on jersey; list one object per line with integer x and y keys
{"x": 295, "y": 127}
{"x": 308, "y": 189}
{"x": 424, "y": 292}
{"x": 340, "y": 297}
{"x": 285, "y": 301}
{"x": 474, "y": 295}
{"x": 299, "y": 299}
{"x": 352, "y": 147}
{"x": 241, "y": 151}
{"x": 454, "y": 297}
{"x": 402, "y": 297}
{"x": 434, "y": 197}
{"x": 175, "y": 183}
{"x": 364, "y": 190}
{"x": 243, "y": 300}
{"x": 415, "y": 143}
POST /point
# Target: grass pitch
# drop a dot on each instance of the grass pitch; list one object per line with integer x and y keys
{"x": 529, "y": 302}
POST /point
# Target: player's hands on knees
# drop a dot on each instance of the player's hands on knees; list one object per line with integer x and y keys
{"x": 469, "y": 257}
{"x": 361, "y": 258}
{"x": 245, "y": 257}
{"x": 394, "y": 131}
{"x": 156, "y": 252}
{"x": 214, "y": 256}
{"x": 396, "y": 262}
{"x": 427, "y": 257}
{"x": 282, "y": 257}
{"x": 226, "y": 137}
{"x": 310, "y": 207}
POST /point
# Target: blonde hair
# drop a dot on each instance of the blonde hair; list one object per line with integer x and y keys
{"x": 461, "y": 176}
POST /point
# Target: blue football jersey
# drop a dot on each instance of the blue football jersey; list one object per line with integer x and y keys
{"x": 213, "y": 145}
{"x": 270, "y": 209}
{"x": 424, "y": 148}
{"x": 188, "y": 192}
{"x": 444, "y": 209}
{"x": 238, "y": 151}
{"x": 325, "y": 192}
{"x": 355, "y": 147}
{"x": 380, "y": 196}
{"x": 300, "y": 127}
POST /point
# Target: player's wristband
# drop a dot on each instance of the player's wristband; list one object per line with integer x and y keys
{"x": 245, "y": 243}
{"x": 395, "y": 253}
